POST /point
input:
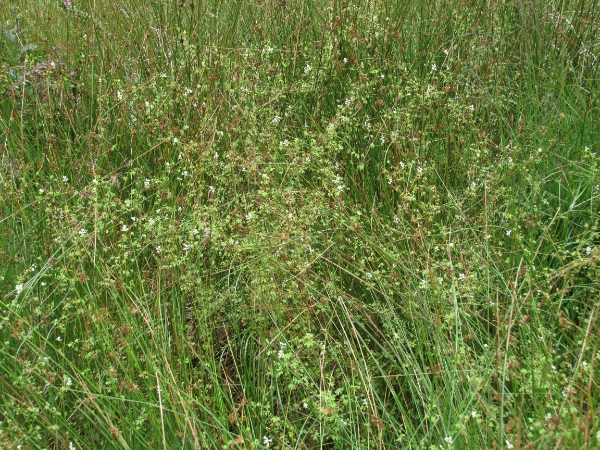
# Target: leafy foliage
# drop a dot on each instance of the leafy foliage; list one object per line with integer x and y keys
{"x": 299, "y": 224}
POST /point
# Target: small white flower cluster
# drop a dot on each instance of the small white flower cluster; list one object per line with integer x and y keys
{"x": 338, "y": 182}
{"x": 281, "y": 352}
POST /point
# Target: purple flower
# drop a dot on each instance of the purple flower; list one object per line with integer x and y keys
{"x": 68, "y": 2}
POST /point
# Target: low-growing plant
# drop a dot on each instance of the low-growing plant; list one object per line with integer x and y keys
{"x": 299, "y": 225}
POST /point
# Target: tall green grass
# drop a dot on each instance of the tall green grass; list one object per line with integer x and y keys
{"x": 299, "y": 224}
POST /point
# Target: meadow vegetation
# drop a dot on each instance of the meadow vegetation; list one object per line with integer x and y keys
{"x": 299, "y": 224}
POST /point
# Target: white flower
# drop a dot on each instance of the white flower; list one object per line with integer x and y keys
{"x": 509, "y": 445}
{"x": 266, "y": 441}
{"x": 124, "y": 228}
{"x": 472, "y": 107}
{"x": 305, "y": 405}
{"x": 307, "y": 68}
{"x": 119, "y": 95}
{"x": 461, "y": 276}
{"x": 433, "y": 67}
{"x": 19, "y": 288}
{"x": 473, "y": 414}
{"x": 281, "y": 354}
{"x": 146, "y": 183}
{"x": 42, "y": 191}
{"x": 175, "y": 140}
{"x": 68, "y": 381}
{"x": 340, "y": 188}
{"x": 276, "y": 119}
{"x": 65, "y": 178}
{"x": 158, "y": 249}
{"x": 449, "y": 440}
{"x": 508, "y": 232}
{"x": 249, "y": 216}
{"x": 71, "y": 446}
{"x": 588, "y": 250}
{"x": 186, "y": 247}
{"x": 82, "y": 232}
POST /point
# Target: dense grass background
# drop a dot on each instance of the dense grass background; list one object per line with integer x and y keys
{"x": 299, "y": 224}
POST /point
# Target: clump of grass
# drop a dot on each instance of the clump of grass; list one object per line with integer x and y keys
{"x": 299, "y": 225}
